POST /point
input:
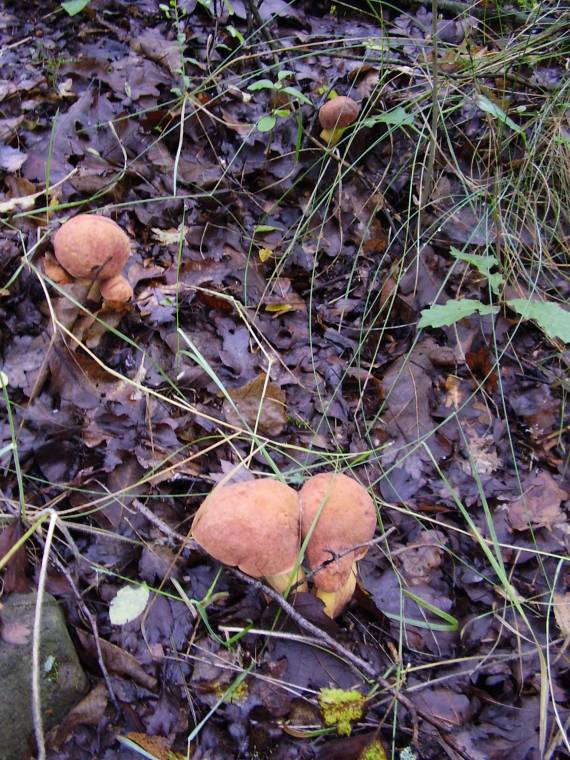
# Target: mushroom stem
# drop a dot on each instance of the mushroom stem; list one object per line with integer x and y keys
{"x": 332, "y": 136}
{"x": 293, "y": 578}
{"x": 336, "y": 601}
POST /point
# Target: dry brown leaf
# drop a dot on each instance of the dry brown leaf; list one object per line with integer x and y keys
{"x": 117, "y": 660}
{"x": 157, "y": 746}
{"x": 261, "y": 402}
{"x": 88, "y": 712}
{"x": 562, "y": 612}
{"x": 539, "y": 505}
{"x": 422, "y": 556}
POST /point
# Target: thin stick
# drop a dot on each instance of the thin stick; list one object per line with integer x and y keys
{"x": 36, "y": 696}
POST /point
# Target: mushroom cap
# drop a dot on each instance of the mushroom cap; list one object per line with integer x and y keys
{"x": 338, "y": 113}
{"x": 253, "y": 525}
{"x": 116, "y": 289}
{"x": 347, "y": 519}
{"x": 91, "y": 246}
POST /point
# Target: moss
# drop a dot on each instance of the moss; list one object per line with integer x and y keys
{"x": 340, "y": 708}
{"x": 374, "y": 751}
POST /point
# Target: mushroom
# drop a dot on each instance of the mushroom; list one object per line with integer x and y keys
{"x": 335, "y": 115}
{"x": 339, "y": 519}
{"x": 253, "y": 525}
{"x": 116, "y": 289}
{"x": 91, "y": 247}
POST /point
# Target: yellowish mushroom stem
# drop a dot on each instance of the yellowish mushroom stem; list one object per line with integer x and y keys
{"x": 332, "y": 136}
{"x": 287, "y": 580}
{"x": 336, "y": 601}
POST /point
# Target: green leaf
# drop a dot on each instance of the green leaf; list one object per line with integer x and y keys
{"x": 236, "y": 34}
{"x": 73, "y": 7}
{"x": 483, "y": 264}
{"x": 259, "y": 228}
{"x": 295, "y": 93}
{"x": 550, "y": 317}
{"x": 284, "y": 74}
{"x": 495, "y": 110}
{"x": 262, "y": 84}
{"x": 453, "y": 311}
{"x": 266, "y": 123}
{"x": 397, "y": 117}
{"x": 128, "y": 604}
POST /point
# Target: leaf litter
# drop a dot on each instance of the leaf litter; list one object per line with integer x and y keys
{"x": 298, "y": 278}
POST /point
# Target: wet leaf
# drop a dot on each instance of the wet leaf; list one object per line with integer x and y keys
{"x": 88, "y": 712}
{"x": 117, "y": 660}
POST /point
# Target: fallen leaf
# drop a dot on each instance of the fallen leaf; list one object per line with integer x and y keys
{"x": 421, "y": 556}
{"x": 88, "y": 712}
{"x": 11, "y": 159}
{"x": 561, "y": 609}
{"x": 16, "y": 633}
{"x": 14, "y": 579}
{"x": 156, "y": 746}
{"x": 117, "y": 660}
{"x": 128, "y": 604}
{"x": 539, "y": 505}
{"x": 261, "y": 404}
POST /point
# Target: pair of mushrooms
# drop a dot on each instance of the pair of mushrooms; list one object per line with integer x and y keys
{"x": 258, "y": 526}
{"x": 90, "y": 247}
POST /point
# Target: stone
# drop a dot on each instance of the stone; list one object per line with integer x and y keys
{"x": 63, "y": 682}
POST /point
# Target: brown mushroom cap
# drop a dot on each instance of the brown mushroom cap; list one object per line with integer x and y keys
{"x": 338, "y": 113}
{"x": 116, "y": 289}
{"x": 91, "y": 246}
{"x": 347, "y": 519}
{"x": 253, "y": 525}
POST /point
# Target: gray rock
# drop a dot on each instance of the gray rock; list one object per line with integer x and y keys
{"x": 62, "y": 680}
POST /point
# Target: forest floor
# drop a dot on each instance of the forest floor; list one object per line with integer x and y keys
{"x": 393, "y": 307}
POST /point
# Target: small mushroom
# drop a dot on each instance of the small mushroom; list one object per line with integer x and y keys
{"x": 91, "y": 247}
{"x": 339, "y": 516}
{"x": 335, "y": 115}
{"x": 253, "y": 525}
{"x": 116, "y": 289}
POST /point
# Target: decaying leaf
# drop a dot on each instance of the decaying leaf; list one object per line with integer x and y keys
{"x": 261, "y": 404}
{"x": 423, "y": 555}
{"x": 561, "y": 609}
{"x": 156, "y": 746}
{"x": 117, "y": 660}
{"x": 15, "y": 633}
{"x": 88, "y": 712}
{"x": 539, "y": 505}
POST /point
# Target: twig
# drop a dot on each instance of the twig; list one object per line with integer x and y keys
{"x": 36, "y": 635}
